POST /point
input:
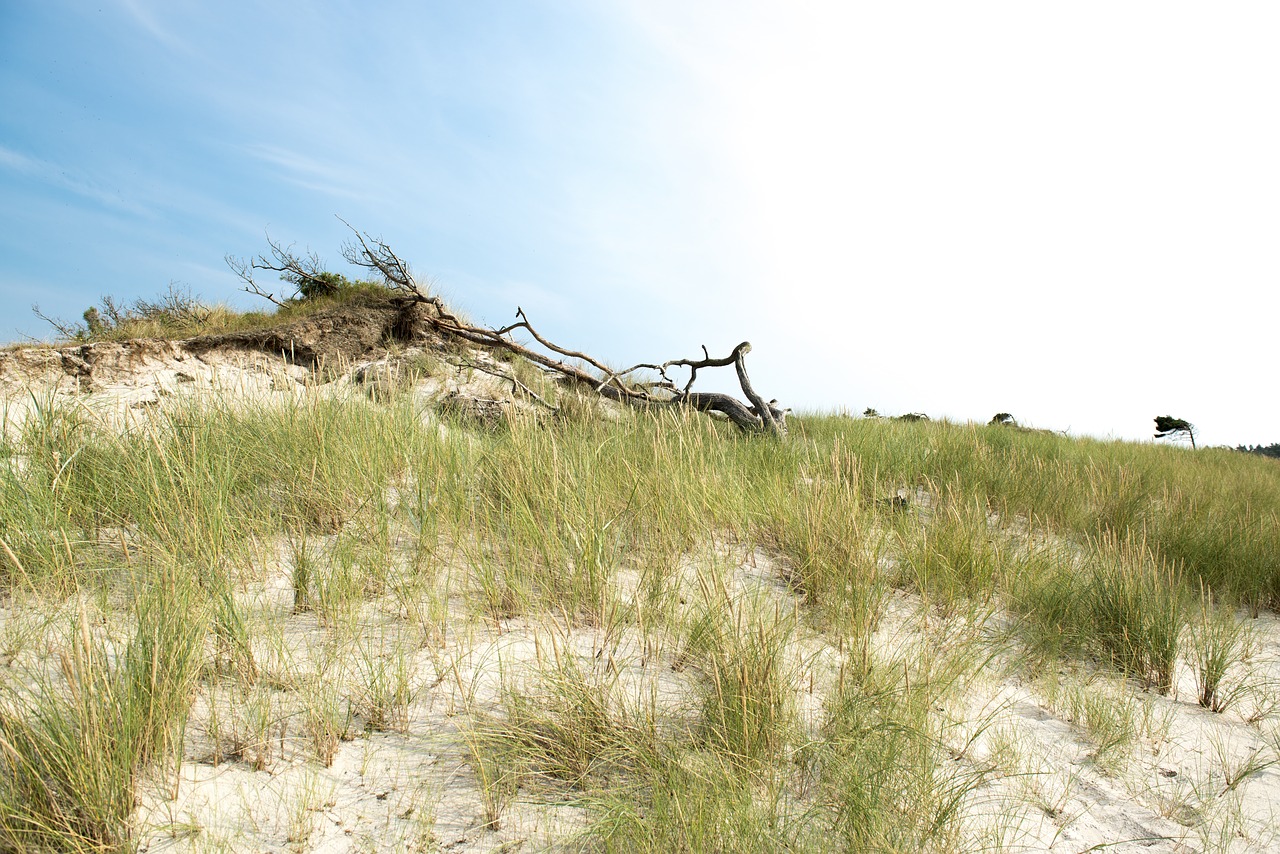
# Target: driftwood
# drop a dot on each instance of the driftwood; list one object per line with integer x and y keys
{"x": 372, "y": 254}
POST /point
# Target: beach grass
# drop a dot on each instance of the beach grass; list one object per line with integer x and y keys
{"x": 737, "y": 694}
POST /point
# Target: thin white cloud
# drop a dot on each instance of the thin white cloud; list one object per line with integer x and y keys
{"x": 308, "y": 172}
{"x": 11, "y": 159}
{"x": 54, "y": 175}
{"x": 144, "y": 18}
{"x": 291, "y": 160}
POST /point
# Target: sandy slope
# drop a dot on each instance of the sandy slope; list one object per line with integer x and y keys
{"x": 250, "y": 779}
{"x": 1173, "y": 788}
{"x": 118, "y": 384}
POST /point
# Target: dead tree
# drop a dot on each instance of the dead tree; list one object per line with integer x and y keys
{"x": 373, "y": 255}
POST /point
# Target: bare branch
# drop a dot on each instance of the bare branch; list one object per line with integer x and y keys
{"x": 610, "y": 377}
{"x": 295, "y": 269}
{"x": 762, "y": 409}
{"x": 300, "y": 271}
{"x": 759, "y": 416}
{"x": 705, "y": 362}
{"x": 62, "y": 327}
{"x": 515, "y": 383}
{"x": 738, "y": 413}
{"x": 244, "y": 269}
{"x": 373, "y": 254}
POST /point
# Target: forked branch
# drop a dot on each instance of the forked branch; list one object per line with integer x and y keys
{"x": 301, "y": 271}
{"x": 374, "y": 255}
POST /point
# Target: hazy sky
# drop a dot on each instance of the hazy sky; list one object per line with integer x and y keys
{"x": 1067, "y": 211}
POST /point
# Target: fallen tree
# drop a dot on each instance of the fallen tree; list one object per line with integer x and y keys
{"x": 657, "y": 390}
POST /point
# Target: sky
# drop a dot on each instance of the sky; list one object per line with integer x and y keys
{"x": 1065, "y": 211}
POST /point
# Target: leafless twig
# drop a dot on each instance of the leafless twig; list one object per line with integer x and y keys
{"x": 515, "y": 383}
{"x": 298, "y": 270}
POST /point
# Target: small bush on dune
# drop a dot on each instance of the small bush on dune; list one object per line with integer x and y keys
{"x": 177, "y": 313}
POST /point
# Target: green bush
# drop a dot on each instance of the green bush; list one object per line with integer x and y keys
{"x": 324, "y": 284}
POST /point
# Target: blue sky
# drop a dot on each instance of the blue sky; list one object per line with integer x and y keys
{"x": 1065, "y": 211}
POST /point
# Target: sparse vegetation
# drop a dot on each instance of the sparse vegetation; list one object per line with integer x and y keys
{"x": 684, "y": 637}
{"x": 180, "y": 314}
{"x": 1219, "y": 643}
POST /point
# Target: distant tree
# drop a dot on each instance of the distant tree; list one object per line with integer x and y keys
{"x": 1002, "y": 418}
{"x": 1167, "y": 425}
{"x": 913, "y": 416}
{"x": 870, "y": 413}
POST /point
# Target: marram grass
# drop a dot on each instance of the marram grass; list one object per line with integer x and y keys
{"x": 1101, "y": 551}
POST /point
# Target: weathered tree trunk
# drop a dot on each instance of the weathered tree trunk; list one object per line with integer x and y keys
{"x": 754, "y": 416}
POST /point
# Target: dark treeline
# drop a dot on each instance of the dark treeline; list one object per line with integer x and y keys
{"x": 1272, "y": 450}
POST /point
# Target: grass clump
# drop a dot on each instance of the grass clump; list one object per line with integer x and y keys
{"x": 690, "y": 802}
{"x": 1217, "y": 642}
{"x": 747, "y": 700}
{"x": 955, "y": 560}
{"x": 176, "y": 314}
{"x": 73, "y": 749}
{"x": 1139, "y": 606}
{"x": 874, "y": 774}
{"x": 1115, "y": 600}
{"x": 833, "y": 546}
{"x": 70, "y": 760}
{"x": 571, "y": 726}
{"x": 882, "y": 771}
{"x": 1112, "y": 720}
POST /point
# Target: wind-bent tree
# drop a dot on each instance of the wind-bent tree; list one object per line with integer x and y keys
{"x": 1169, "y": 427}
{"x": 373, "y": 255}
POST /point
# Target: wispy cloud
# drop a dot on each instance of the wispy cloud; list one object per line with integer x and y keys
{"x": 144, "y": 18}
{"x": 54, "y": 175}
{"x": 11, "y": 159}
{"x": 308, "y": 172}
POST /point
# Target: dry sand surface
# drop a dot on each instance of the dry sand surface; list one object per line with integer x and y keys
{"x": 118, "y": 383}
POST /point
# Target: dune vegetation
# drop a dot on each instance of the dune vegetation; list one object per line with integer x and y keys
{"x": 179, "y": 313}
{"x": 640, "y": 632}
